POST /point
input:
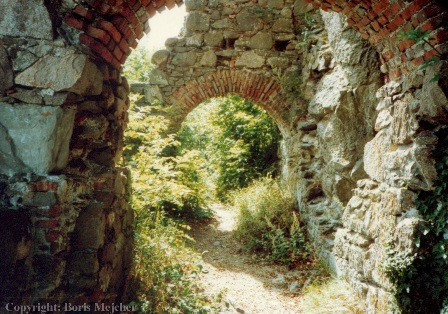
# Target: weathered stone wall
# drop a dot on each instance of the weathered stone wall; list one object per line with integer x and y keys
{"x": 359, "y": 158}
{"x": 66, "y": 229}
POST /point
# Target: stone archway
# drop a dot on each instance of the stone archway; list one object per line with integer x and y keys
{"x": 63, "y": 110}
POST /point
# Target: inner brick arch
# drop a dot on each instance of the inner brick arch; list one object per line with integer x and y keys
{"x": 263, "y": 91}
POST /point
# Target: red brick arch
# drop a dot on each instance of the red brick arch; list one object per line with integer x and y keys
{"x": 260, "y": 89}
{"x": 111, "y": 27}
{"x": 380, "y": 22}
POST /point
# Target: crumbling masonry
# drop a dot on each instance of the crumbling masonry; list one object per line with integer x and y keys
{"x": 357, "y": 115}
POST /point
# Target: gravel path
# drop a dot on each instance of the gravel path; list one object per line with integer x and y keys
{"x": 247, "y": 286}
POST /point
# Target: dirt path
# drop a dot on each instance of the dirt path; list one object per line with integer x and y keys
{"x": 247, "y": 286}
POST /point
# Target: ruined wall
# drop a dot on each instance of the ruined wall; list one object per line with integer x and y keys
{"x": 358, "y": 121}
{"x": 358, "y": 161}
{"x": 65, "y": 223}
{"x": 244, "y": 48}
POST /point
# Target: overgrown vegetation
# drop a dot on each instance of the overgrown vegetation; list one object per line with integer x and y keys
{"x": 138, "y": 65}
{"x": 268, "y": 223}
{"x": 421, "y": 280}
{"x": 238, "y": 140}
{"x": 238, "y": 144}
{"x": 166, "y": 269}
{"x": 309, "y": 22}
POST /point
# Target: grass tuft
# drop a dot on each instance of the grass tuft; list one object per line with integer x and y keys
{"x": 330, "y": 295}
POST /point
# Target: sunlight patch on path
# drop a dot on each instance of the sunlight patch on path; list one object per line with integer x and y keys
{"x": 247, "y": 287}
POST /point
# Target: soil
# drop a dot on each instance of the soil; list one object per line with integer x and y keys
{"x": 247, "y": 283}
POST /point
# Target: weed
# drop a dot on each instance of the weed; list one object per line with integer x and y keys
{"x": 418, "y": 36}
{"x": 268, "y": 223}
{"x": 330, "y": 295}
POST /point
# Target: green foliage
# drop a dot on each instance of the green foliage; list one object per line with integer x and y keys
{"x": 138, "y": 65}
{"x": 420, "y": 36}
{"x": 400, "y": 269}
{"x": 166, "y": 272}
{"x": 238, "y": 139}
{"x": 173, "y": 184}
{"x": 422, "y": 279}
{"x": 166, "y": 269}
{"x": 268, "y": 222}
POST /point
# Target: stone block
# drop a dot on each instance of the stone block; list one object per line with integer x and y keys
{"x": 209, "y": 59}
{"x": 194, "y": 4}
{"x": 90, "y": 227}
{"x": 23, "y": 18}
{"x": 40, "y": 199}
{"x": 250, "y": 59}
{"x": 70, "y": 72}
{"x": 278, "y": 62}
{"x": 222, "y": 24}
{"x": 282, "y": 25}
{"x": 108, "y": 253}
{"x": 214, "y": 39}
{"x": 84, "y": 262}
{"x": 158, "y": 77}
{"x": 409, "y": 165}
{"x": 246, "y": 20}
{"x": 160, "y": 57}
{"x": 184, "y": 58}
{"x": 275, "y": 4}
{"x": 404, "y": 123}
{"x": 197, "y": 22}
{"x": 196, "y": 40}
{"x": 261, "y": 41}
{"x": 36, "y": 138}
{"x": 94, "y": 126}
{"x": 375, "y": 153}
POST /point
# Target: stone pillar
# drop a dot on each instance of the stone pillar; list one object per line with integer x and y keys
{"x": 66, "y": 227}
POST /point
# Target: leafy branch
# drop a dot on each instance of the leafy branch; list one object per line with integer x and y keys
{"x": 418, "y": 35}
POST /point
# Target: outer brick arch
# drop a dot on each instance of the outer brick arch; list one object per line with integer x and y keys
{"x": 110, "y": 28}
{"x": 380, "y": 22}
{"x": 262, "y": 90}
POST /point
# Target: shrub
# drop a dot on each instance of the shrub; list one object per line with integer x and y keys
{"x": 239, "y": 141}
{"x": 171, "y": 183}
{"x": 268, "y": 222}
{"x": 166, "y": 269}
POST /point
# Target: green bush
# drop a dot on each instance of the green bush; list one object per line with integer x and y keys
{"x": 138, "y": 65}
{"x": 166, "y": 270}
{"x": 171, "y": 183}
{"x": 239, "y": 141}
{"x": 268, "y": 222}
